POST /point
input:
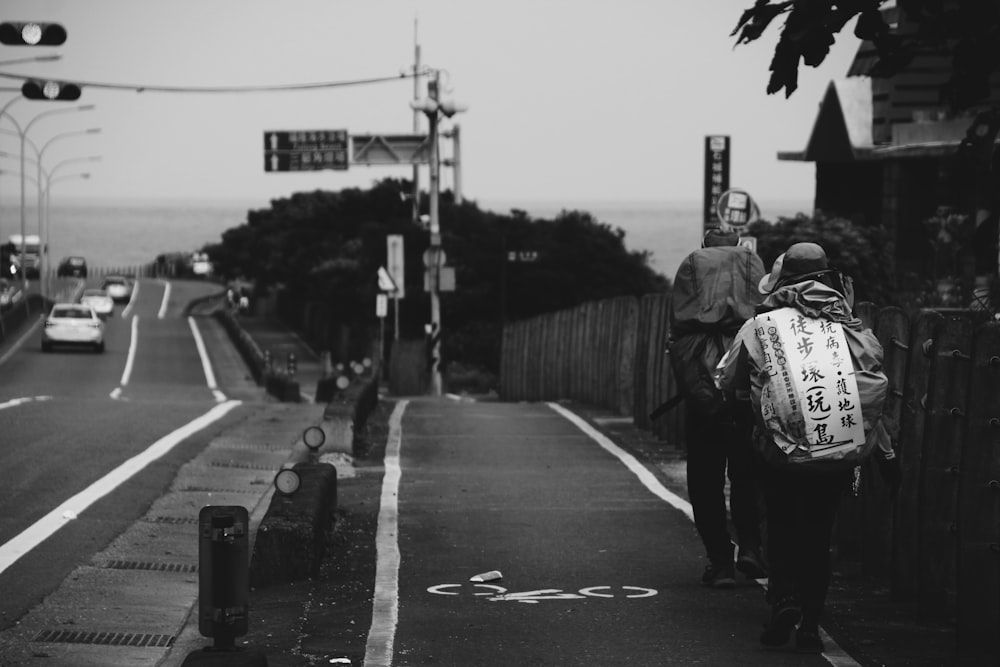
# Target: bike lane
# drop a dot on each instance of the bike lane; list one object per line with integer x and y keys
{"x": 597, "y": 569}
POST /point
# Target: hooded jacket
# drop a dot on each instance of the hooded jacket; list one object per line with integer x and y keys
{"x": 742, "y": 369}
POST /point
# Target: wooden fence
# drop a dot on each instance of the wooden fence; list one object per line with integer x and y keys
{"x": 937, "y": 542}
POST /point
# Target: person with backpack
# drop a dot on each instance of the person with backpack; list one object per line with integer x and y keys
{"x": 813, "y": 374}
{"x": 714, "y": 292}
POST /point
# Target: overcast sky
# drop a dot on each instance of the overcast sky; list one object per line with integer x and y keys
{"x": 570, "y": 101}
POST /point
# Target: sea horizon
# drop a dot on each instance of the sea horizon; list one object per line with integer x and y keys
{"x": 133, "y": 231}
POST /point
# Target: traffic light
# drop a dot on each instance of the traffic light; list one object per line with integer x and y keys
{"x": 35, "y": 89}
{"x": 31, "y": 33}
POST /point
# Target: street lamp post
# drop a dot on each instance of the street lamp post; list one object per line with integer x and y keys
{"x": 44, "y": 250}
{"x": 49, "y": 180}
{"x": 433, "y": 108}
{"x": 24, "y": 135}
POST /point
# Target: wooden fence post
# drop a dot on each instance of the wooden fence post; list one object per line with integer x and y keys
{"x": 626, "y": 355}
{"x": 946, "y": 407}
{"x": 893, "y": 331}
{"x": 925, "y": 327}
{"x": 979, "y": 505}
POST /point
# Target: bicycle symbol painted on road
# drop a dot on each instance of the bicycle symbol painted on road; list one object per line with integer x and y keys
{"x": 499, "y": 594}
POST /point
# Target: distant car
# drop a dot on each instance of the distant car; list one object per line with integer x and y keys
{"x": 99, "y": 300}
{"x": 10, "y": 293}
{"x": 73, "y": 324}
{"x": 201, "y": 265}
{"x": 119, "y": 288}
{"x": 72, "y": 267}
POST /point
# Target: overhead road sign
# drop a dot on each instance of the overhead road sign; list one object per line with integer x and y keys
{"x": 380, "y": 149}
{"x": 305, "y": 150}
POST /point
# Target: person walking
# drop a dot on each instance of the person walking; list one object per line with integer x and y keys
{"x": 802, "y": 487}
{"x": 714, "y": 292}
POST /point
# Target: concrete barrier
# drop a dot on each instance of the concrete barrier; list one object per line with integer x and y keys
{"x": 291, "y": 539}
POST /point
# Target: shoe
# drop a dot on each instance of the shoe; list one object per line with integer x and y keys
{"x": 719, "y": 575}
{"x": 807, "y": 641}
{"x": 751, "y": 563}
{"x": 778, "y": 631}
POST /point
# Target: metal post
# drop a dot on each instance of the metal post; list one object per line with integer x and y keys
{"x": 456, "y": 162}
{"x": 416, "y": 130}
{"x": 435, "y": 245}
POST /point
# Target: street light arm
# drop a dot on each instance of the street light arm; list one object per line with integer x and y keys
{"x": 88, "y": 158}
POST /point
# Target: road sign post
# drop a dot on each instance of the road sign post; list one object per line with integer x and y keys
{"x": 717, "y": 149}
{"x": 305, "y": 150}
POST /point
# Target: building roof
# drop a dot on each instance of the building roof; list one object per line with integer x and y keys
{"x": 842, "y": 131}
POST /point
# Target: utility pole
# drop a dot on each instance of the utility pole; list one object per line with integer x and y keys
{"x": 455, "y": 162}
{"x": 416, "y": 130}
{"x": 435, "y": 245}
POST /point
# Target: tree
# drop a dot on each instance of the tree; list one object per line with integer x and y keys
{"x": 968, "y": 29}
{"x": 858, "y": 251}
{"x": 325, "y": 248}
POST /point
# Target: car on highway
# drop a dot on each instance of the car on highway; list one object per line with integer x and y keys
{"x": 10, "y": 293}
{"x": 72, "y": 267}
{"x": 73, "y": 324}
{"x": 99, "y": 300}
{"x": 119, "y": 288}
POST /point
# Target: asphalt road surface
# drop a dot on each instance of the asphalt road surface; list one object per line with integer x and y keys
{"x": 600, "y": 564}
{"x": 68, "y": 418}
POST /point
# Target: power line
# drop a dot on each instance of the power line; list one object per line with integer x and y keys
{"x": 139, "y": 88}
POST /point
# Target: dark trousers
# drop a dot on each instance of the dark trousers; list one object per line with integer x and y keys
{"x": 717, "y": 444}
{"x": 801, "y": 507}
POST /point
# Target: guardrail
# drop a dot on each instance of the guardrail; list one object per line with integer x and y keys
{"x": 937, "y": 542}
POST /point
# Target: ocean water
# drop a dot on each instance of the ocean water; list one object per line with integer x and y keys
{"x": 666, "y": 230}
{"x": 134, "y": 233}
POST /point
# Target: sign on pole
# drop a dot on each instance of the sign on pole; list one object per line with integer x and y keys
{"x": 385, "y": 281}
{"x": 305, "y": 150}
{"x": 394, "y": 262}
{"x": 717, "y": 149}
{"x": 381, "y": 305}
{"x": 736, "y": 209}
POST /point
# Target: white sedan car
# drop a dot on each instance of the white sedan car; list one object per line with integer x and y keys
{"x": 73, "y": 324}
{"x": 118, "y": 288}
{"x": 99, "y": 300}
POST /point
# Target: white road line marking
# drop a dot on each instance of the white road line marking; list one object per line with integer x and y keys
{"x": 130, "y": 359}
{"x": 131, "y": 300}
{"x": 68, "y": 510}
{"x": 385, "y": 607}
{"x": 833, "y": 654}
{"x": 14, "y": 402}
{"x": 166, "y": 299}
{"x": 206, "y": 363}
{"x": 645, "y": 476}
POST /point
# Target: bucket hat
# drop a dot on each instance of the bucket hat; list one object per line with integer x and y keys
{"x": 800, "y": 259}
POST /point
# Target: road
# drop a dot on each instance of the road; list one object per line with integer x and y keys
{"x": 69, "y": 418}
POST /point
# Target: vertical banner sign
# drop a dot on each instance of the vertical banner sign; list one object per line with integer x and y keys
{"x": 394, "y": 263}
{"x": 812, "y": 394}
{"x": 716, "y": 175}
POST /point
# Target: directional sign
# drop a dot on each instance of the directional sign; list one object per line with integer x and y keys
{"x": 375, "y": 149}
{"x": 305, "y": 150}
{"x": 394, "y": 258}
{"x": 385, "y": 281}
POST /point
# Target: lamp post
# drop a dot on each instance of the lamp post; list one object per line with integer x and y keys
{"x": 434, "y": 108}
{"x": 49, "y": 180}
{"x": 49, "y": 57}
{"x": 44, "y": 250}
{"x": 23, "y": 132}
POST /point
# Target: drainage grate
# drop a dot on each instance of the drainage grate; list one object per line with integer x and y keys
{"x": 145, "y": 565}
{"x": 105, "y": 638}
{"x": 205, "y": 489}
{"x": 172, "y": 519}
{"x": 240, "y": 465}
